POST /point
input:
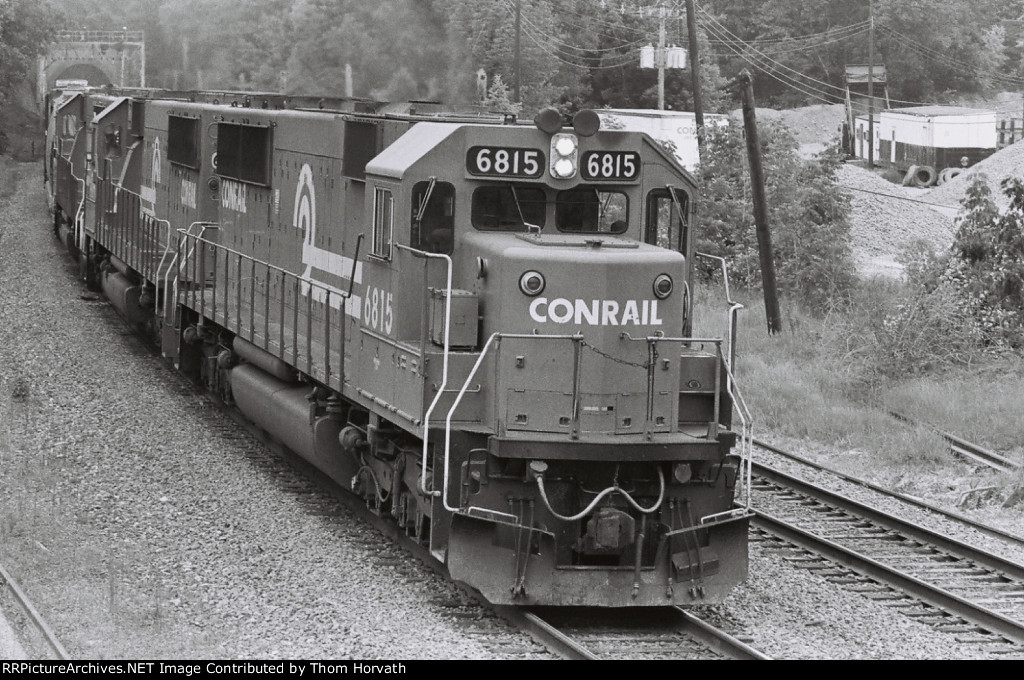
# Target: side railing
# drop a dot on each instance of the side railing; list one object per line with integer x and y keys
{"x": 740, "y": 408}
{"x": 136, "y": 237}
{"x": 447, "y": 352}
{"x": 292, "y": 317}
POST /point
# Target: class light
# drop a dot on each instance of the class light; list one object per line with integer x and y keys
{"x": 564, "y": 155}
{"x": 532, "y": 283}
{"x": 662, "y": 286}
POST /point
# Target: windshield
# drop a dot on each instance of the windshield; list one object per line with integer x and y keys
{"x": 587, "y": 209}
{"x": 508, "y": 207}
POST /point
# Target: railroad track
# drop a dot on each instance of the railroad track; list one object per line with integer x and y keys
{"x": 33, "y": 617}
{"x": 964, "y": 448}
{"x": 952, "y": 586}
{"x": 960, "y": 518}
{"x": 667, "y": 633}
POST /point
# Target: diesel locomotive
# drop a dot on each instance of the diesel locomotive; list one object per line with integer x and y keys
{"x": 480, "y": 325}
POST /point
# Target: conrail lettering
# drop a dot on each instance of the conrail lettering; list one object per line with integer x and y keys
{"x": 233, "y": 195}
{"x": 596, "y": 312}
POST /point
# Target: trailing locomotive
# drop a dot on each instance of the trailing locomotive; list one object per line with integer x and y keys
{"x": 482, "y": 327}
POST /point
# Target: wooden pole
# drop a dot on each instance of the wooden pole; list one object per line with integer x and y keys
{"x": 764, "y": 237}
{"x": 518, "y": 56}
{"x": 698, "y": 104}
{"x": 659, "y": 57}
{"x": 871, "y": 86}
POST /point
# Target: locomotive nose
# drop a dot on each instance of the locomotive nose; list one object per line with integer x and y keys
{"x": 594, "y": 289}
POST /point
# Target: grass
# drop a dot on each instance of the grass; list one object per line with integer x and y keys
{"x": 821, "y": 384}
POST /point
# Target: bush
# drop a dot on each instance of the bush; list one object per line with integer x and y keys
{"x": 982, "y": 277}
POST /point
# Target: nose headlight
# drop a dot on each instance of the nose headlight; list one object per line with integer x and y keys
{"x": 662, "y": 286}
{"x": 531, "y": 283}
{"x": 564, "y": 155}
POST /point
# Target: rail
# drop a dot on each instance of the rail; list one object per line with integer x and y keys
{"x": 33, "y": 615}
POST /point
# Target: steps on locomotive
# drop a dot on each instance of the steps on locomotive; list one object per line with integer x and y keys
{"x": 703, "y": 401}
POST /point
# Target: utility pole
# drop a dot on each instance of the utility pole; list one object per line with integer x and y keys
{"x": 871, "y": 85}
{"x": 698, "y": 104}
{"x": 661, "y": 59}
{"x": 518, "y": 57}
{"x": 764, "y": 238}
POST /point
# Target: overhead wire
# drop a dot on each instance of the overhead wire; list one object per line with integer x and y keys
{"x": 771, "y": 67}
{"x": 757, "y": 53}
{"x": 550, "y": 46}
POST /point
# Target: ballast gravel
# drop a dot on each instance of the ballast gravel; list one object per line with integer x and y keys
{"x": 143, "y": 527}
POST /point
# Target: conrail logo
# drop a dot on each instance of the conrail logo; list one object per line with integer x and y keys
{"x": 596, "y": 312}
{"x": 322, "y": 266}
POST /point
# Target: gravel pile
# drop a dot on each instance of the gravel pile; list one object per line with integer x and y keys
{"x": 144, "y": 528}
{"x": 886, "y": 217}
{"x": 1008, "y": 162}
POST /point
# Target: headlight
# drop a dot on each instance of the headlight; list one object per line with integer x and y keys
{"x": 564, "y": 155}
{"x": 531, "y": 283}
{"x": 662, "y": 286}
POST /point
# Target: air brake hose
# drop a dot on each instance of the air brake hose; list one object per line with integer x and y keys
{"x": 597, "y": 499}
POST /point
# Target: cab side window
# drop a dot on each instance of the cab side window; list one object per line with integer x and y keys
{"x": 666, "y": 222}
{"x": 433, "y": 217}
{"x": 383, "y": 223}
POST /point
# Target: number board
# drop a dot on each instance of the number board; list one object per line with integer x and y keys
{"x": 504, "y": 161}
{"x": 610, "y": 165}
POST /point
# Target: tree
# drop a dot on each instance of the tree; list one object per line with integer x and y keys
{"x": 807, "y": 215}
{"x": 986, "y": 264}
{"x": 24, "y": 35}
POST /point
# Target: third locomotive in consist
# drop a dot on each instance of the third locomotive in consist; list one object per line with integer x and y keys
{"x": 482, "y": 327}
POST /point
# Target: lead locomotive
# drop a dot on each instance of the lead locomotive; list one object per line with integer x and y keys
{"x": 482, "y": 327}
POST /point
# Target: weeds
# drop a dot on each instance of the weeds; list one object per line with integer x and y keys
{"x": 831, "y": 378}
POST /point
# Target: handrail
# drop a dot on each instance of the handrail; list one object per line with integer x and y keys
{"x": 462, "y": 392}
{"x": 118, "y": 187}
{"x": 734, "y": 306}
{"x": 79, "y": 220}
{"x": 293, "y": 287}
{"x": 746, "y": 419}
{"x": 444, "y": 361}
